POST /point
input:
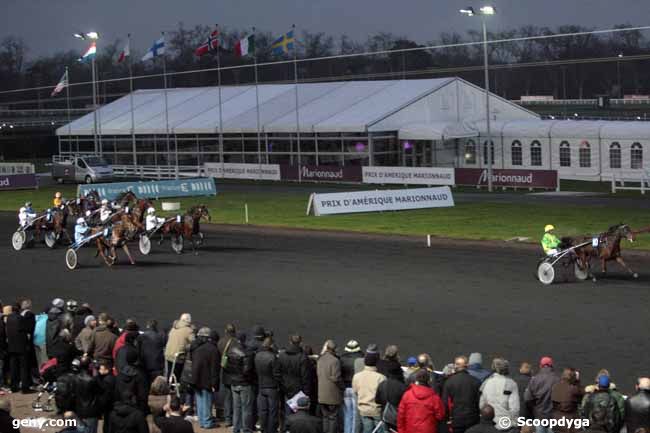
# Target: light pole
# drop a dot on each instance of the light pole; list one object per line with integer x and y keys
{"x": 618, "y": 75}
{"x": 94, "y": 36}
{"x": 483, "y": 12}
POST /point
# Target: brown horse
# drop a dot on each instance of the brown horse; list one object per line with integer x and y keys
{"x": 189, "y": 226}
{"x": 137, "y": 207}
{"x": 55, "y": 222}
{"x": 122, "y": 231}
{"x": 608, "y": 249}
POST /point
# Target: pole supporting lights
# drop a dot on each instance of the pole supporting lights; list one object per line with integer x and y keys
{"x": 94, "y": 36}
{"x": 483, "y": 12}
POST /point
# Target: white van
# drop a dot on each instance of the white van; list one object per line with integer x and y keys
{"x": 81, "y": 168}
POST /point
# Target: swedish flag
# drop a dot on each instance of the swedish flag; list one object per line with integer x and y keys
{"x": 283, "y": 44}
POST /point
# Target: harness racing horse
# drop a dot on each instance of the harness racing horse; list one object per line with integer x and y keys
{"x": 188, "y": 227}
{"x": 609, "y": 248}
{"x": 54, "y": 226}
{"x": 122, "y": 231}
{"x": 137, "y": 207}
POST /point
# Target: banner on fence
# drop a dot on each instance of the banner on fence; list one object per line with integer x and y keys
{"x": 242, "y": 171}
{"x": 155, "y": 189}
{"x": 18, "y": 181}
{"x": 381, "y": 200}
{"x": 16, "y": 168}
{"x": 322, "y": 173}
{"x": 409, "y": 175}
{"x": 510, "y": 178}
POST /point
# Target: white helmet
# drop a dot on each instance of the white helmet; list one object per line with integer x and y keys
{"x": 151, "y": 210}
{"x": 88, "y": 213}
{"x": 81, "y": 221}
{"x": 28, "y": 204}
{"x": 104, "y": 202}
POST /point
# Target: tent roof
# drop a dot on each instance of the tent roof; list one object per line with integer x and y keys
{"x": 577, "y": 128}
{"x": 345, "y": 106}
{"x": 437, "y": 131}
{"x": 632, "y": 130}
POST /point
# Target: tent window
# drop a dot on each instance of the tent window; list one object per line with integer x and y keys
{"x": 536, "y": 153}
{"x": 470, "y": 152}
{"x": 565, "y": 154}
{"x": 485, "y": 152}
{"x": 515, "y": 153}
{"x": 615, "y": 155}
{"x": 585, "y": 154}
{"x": 636, "y": 156}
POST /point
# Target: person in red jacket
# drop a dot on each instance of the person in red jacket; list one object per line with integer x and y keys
{"x": 421, "y": 408}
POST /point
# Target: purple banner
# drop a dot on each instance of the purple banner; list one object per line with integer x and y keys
{"x": 322, "y": 173}
{"x": 18, "y": 181}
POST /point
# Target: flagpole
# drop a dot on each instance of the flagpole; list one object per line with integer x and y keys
{"x": 135, "y": 153}
{"x": 164, "y": 59}
{"x": 257, "y": 103}
{"x": 295, "y": 81}
{"x": 223, "y": 165}
{"x": 67, "y": 101}
{"x": 94, "y": 80}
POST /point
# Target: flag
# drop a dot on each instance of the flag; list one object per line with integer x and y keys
{"x": 126, "y": 52}
{"x": 210, "y": 45}
{"x": 283, "y": 44}
{"x": 63, "y": 83}
{"x": 157, "y": 49}
{"x": 245, "y": 47}
{"x": 90, "y": 53}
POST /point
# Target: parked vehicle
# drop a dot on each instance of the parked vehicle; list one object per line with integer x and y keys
{"x": 81, "y": 168}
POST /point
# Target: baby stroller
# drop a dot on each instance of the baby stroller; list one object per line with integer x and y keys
{"x": 48, "y": 375}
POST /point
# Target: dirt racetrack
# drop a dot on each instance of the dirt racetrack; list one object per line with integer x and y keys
{"x": 450, "y": 299}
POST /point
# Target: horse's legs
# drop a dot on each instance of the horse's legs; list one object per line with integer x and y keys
{"x": 620, "y": 261}
{"x": 603, "y": 265}
{"x": 100, "y": 251}
{"x": 128, "y": 254}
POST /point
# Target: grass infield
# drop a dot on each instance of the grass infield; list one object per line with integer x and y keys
{"x": 483, "y": 221}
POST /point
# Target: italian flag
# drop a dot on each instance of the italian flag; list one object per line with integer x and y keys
{"x": 245, "y": 47}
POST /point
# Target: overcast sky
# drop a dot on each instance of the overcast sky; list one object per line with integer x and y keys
{"x": 47, "y": 25}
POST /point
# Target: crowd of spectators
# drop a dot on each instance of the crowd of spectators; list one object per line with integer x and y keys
{"x": 134, "y": 379}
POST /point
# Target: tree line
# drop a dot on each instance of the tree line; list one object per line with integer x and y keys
{"x": 562, "y": 67}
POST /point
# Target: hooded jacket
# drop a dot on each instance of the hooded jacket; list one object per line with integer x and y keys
{"x": 538, "y": 393}
{"x": 152, "y": 348}
{"x": 87, "y": 393}
{"x": 294, "y": 371}
{"x": 501, "y": 393}
{"x": 206, "y": 365}
{"x": 127, "y": 419}
{"x": 52, "y": 328}
{"x": 420, "y": 410}
{"x": 566, "y": 398}
{"x": 180, "y": 337}
{"x": 131, "y": 388}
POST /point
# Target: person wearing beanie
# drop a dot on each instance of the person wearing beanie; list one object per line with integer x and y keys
{"x": 500, "y": 392}
{"x": 267, "y": 368}
{"x": 420, "y": 409}
{"x": 637, "y": 406}
{"x": 538, "y": 393}
{"x": 603, "y": 399}
{"x": 365, "y": 385}
{"x": 351, "y": 353}
{"x": 390, "y": 365}
{"x": 301, "y": 421}
{"x": 126, "y": 342}
{"x": 206, "y": 369}
{"x": 460, "y": 395}
{"x": 83, "y": 341}
{"x": 330, "y": 386}
{"x": 475, "y": 367}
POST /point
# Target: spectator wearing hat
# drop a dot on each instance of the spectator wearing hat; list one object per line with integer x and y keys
{"x": 301, "y": 421}
{"x": 461, "y": 397}
{"x": 420, "y": 409}
{"x": 637, "y": 407}
{"x": 125, "y": 343}
{"x": 330, "y": 386}
{"x": 566, "y": 396}
{"x": 53, "y": 326}
{"x": 241, "y": 370}
{"x": 603, "y": 398}
{"x": 365, "y": 385}
{"x": 390, "y": 365}
{"x": 205, "y": 375}
{"x": 523, "y": 378}
{"x": 475, "y": 367}
{"x": 538, "y": 393}
{"x": 269, "y": 378}
{"x": 500, "y": 392}
{"x": 411, "y": 367}
{"x": 486, "y": 423}
{"x": 351, "y": 352}
{"x": 83, "y": 341}
{"x": 620, "y": 400}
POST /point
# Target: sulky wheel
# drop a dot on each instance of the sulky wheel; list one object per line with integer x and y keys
{"x": 545, "y": 273}
{"x": 579, "y": 272}
{"x": 50, "y": 239}
{"x": 18, "y": 240}
{"x": 145, "y": 245}
{"x": 71, "y": 259}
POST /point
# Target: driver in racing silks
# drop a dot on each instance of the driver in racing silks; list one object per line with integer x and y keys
{"x": 26, "y": 214}
{"x": 550, "y": 242}
{"x": 58, "y": 199}
{"x": 105, "y": 212}
{"x": 81, "y": 229}
{"x": 152, "y": 221}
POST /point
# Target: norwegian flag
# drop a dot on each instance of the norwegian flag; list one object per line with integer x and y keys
{"x": 210, "y": 45}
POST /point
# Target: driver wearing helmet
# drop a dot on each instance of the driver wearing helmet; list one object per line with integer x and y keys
{"x": 105, "y": 212}
{"x": 58, "y": 199}
{"x": 26, "y": 214}
{"x": 80, "y": 230}
{"x": 550, "y": 242}
{"x": 152, "y": 221}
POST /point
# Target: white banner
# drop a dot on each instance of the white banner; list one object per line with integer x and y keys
{"x": 242, "y": 171}
{"x": 378, "y": 201}
{"x": 16, "y": 168}
{"x": 409, "y": 175}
